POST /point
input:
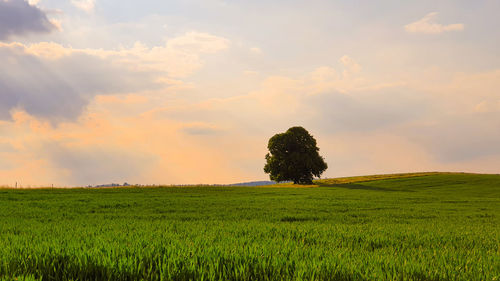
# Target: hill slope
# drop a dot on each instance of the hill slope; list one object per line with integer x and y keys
{"x": 410, "y": 181}
{"x": 428, "y": 227}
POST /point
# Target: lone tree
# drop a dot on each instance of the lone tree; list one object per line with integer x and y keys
{"x": 294, "y": 156}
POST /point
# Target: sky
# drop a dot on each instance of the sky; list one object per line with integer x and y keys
{"x": 190, "y": 91}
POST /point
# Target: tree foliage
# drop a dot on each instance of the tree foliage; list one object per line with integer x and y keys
{"x": 294, "y": 156}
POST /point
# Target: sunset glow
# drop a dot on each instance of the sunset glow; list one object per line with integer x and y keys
{"x": 177, "y": 92}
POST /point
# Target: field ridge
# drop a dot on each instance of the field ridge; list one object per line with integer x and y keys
{"x": 367, "y": 178}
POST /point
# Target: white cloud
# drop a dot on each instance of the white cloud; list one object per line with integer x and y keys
{"x": 351, "y": 66}
{"x": 251, "y": 72}
{"x": 199, "y": 42}
{"x": 428, "y": 25}
{"x": 57, "y": 24}
{"x": 86, "y": 5}
{"x": 256, "y": 50}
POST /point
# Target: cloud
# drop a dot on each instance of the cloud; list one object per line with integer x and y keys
{"x": 363, "y": 124}
{"x": 56, "y": 89}
{"x": 201, "y": 129}
{"x": 197, "y": 42}
{"x": 86, "y": 5}
{"x": 55, "y": 82}
{"x": 457, "y": 138}
{"x": 321, "y": 99}
{"x": 18, "y": 17}
{"x": 256, "y": 50}
{"x": 428, "y": 25}
{"x": 463, "y": 126}
{"x": 365, "y": 111}
{"x": 6, "y": 148}
{"x": 102, "y": 147}
{"x": 179, "y": 57}
{"x": 351, "y": 67}
{"x": 97, "y": 164}
{"x": 429, "y": 119}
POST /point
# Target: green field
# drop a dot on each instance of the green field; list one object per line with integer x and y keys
{"x": 415, "y": 227}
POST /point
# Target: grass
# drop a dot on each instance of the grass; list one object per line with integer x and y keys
{"x": 394, "y": 227}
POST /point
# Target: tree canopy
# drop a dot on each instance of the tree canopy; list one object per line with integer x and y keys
{"x": 294, "y": 156}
